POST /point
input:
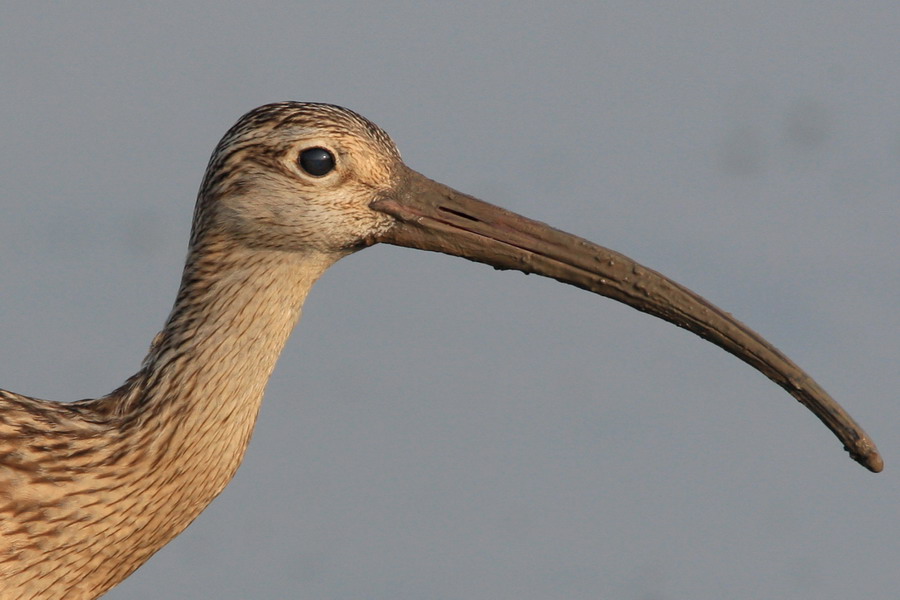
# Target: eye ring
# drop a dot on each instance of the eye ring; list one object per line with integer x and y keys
{"x": 316, "y": 161}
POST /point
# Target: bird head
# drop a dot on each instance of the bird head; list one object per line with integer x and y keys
{"x": 300, "y": 177}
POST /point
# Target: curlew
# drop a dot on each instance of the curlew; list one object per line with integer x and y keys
{"x": 89, "y": 490}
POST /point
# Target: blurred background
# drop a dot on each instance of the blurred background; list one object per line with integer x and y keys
{"x": 437, "y": 429}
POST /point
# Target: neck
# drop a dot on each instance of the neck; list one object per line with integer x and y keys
{"x": 204, "y": 377}
{"x": 172, "y": 437}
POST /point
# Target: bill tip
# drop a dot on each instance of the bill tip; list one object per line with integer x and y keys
{"x": 869, "y": 457}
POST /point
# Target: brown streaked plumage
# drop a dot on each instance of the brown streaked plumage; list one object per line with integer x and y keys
{"x": 91, "y": 489}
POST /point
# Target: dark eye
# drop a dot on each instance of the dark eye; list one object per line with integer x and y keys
{"x": 316, "y": 161}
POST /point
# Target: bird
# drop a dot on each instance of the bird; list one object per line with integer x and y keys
{"x": 91, "y": 489}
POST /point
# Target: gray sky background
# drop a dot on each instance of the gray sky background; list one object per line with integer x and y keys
{"x": 437, "y": 429}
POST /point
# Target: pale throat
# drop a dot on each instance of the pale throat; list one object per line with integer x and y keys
{"x": 207, "y": 371}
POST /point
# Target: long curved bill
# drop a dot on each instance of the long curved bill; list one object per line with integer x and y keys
{"x": 432, "y": 216}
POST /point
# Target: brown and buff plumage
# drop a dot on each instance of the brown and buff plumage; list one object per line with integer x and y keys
{"x": 91, "y": 489}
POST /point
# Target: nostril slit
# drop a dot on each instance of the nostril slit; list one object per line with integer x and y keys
{"x": 457, "y": 213}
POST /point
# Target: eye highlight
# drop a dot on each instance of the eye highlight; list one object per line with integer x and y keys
{"x": 318, "y": 162}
